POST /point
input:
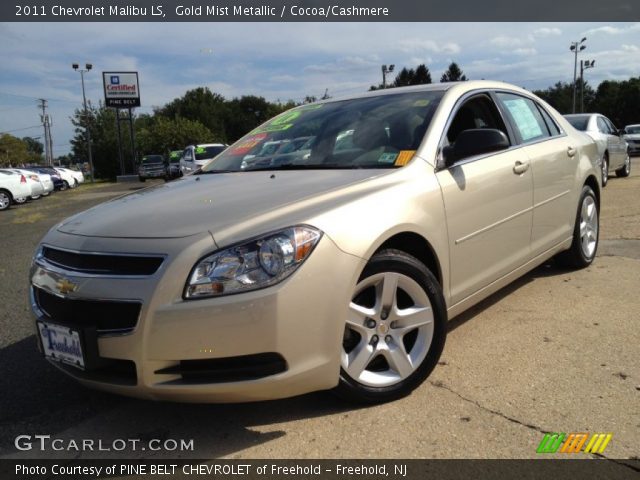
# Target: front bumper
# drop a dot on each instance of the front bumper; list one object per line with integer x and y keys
{"x": 285, "y": 340}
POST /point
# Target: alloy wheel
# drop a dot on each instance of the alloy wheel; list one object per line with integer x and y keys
{"x": 5, "y": 201}
{"x": 389, "y": 330}
{"x": 588, "y": 226}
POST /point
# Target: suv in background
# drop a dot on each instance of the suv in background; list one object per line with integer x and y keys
{"x": 197, "y": 156}
{"x": 173, "y": 167}
{"x": 151, "y": 166}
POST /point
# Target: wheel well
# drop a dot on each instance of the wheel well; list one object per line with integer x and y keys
{"x": 593, "y": 183}
{"x": 7, "y": 192}
{"x": 416, "y": 246}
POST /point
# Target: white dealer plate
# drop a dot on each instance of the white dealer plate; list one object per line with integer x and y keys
{"x": 61, "y": 343}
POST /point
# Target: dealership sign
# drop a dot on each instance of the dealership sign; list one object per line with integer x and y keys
{"x": 121, "y": 89}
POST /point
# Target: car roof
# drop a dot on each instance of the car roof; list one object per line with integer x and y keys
{"x": 208, "y": 145}
{"x": 460, "y": 87}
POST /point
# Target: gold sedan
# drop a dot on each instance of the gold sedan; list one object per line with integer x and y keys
{"x": 330, "y": 260}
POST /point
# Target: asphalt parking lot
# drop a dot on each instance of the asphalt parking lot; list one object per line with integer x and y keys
{"x": 557, "y": 351}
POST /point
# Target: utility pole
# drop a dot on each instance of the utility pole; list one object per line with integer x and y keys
{"x": 575, "y": 48}
{"x": 87, "y": 68}
{"x": 44, "y": 118}
{"x": 386, "y": 70}
{"x": 584, "y": 65}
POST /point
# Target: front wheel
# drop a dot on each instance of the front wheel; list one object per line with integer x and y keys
{"x": 625, "y": 170}
{"x": 64, "y": 186}
{"x": 586, "y": 233}
{"x": 395, "y": 330}
{"x": 5, "y": 200}
{"x": 605, "y": 169}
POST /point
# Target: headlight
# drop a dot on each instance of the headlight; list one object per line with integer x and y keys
{"x": 254, "y": 264}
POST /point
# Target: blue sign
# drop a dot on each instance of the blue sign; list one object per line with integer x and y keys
{"x": 115, "y": 80}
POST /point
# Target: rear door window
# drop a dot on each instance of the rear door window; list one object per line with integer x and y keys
{"x": 525, "y": 116}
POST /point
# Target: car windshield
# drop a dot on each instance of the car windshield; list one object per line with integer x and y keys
{"x": 174, "y": 157}
{"x": 635, "y": 129}
{"x": 579, "y": 122}
{"x": 381, "y": 131}
{"x": 149, "y": 159}
{"x": 205, "y": 153}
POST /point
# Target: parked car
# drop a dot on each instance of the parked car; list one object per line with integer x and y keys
{"x": 67, "y": 177}
{"x": 173, "y": 167}
{"x": 78, "y": 176}
{"x": 33, "y": 180}
{"x": 612, "y": 147}
{"x": 152, "y": 166}
{"x": 632, "y": 136}
{"x": 340, "y": 272}
{"x": 196, "y": 156}
{"x": 44, "y": 179}
{"x": 13, "y": 188}
{"x": 58, "y": 183}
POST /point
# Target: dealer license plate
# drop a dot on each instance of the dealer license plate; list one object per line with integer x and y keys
{"x": 61, "y": 344}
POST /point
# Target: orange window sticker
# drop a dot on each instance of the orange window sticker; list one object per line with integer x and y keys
{"x": 248, "y": 143}
{"x": 403, "y": 157}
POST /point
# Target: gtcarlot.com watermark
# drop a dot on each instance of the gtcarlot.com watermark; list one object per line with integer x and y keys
{"x": 45, "y": 443}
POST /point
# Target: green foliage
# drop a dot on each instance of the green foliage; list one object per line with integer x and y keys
{"x": 406, "y": 77}
{"x": 13, "y": 151}
{"x": 162, "y": 135}
{"x": 453, "y": 74}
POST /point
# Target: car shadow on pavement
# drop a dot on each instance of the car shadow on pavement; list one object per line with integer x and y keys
{"x": 37, "y": 399}
{"x": 547, "y": 269}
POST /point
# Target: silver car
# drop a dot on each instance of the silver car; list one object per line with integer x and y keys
{"x": 336, "y": 271}
{"x": 632, "y": 136}
{"x": 612, "y": 147}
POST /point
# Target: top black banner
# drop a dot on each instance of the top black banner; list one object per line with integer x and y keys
{"x": 318, "y": 11}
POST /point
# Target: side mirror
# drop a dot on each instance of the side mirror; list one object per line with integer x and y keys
{"x": 476, "y": 141}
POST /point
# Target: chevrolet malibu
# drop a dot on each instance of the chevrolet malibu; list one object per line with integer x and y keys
{"x": 337, "y": 269}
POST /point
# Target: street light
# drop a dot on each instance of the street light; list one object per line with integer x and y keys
{"x": 386, "y": 70}
{"x": 584, "y": 65}
{"x": 77, "y": 68}
{"x": 575, "y": 48}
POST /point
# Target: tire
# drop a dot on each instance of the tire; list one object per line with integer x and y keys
{"x": 5, "y": 199}
{"x": 586, "y": 233}
{"x": 64, "y": 186}
{"x": 625, "y": 170}
{"x": 142, "y": 179}
{"x": 605, "y": 169}
{"x": 20, "y": 200}
{"x": 383, "y": 357}
{"x": 35, "y": 197}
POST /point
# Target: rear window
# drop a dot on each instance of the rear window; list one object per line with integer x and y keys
{"x": 633, "y": 129}
{"x": 204, "y": 153}
{"x": 579, "y": 123}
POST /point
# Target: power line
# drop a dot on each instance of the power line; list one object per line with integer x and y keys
{"x": 20, "y": 129}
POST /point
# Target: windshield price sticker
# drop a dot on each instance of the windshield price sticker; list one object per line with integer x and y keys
{"x": 248, "y": 143}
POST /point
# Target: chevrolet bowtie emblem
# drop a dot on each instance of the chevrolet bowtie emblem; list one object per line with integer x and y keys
{"x": 65, "y": 286}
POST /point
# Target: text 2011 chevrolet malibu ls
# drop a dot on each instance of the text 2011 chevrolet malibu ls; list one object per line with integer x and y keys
{"x": 335, "y": 264}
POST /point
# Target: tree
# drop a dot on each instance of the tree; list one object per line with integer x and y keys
{"x": 422, "y": 76}
{"x": 404, "y": 78}
{"x": 453, "y": 74}
{"x": 34, "y": 149}
{"x": 202, "y": 105}
{"x": 245, "y": 113}
{"x": 559, "y": 96}
{"x": 13, "y": 151}
{"x": 163, "y": 135}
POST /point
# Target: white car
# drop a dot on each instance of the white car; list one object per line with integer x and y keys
{"x": 66, "y": 177}
{"x": 612, "y": 147}
{"x": 632, "y": 136}
{"x": 33, "y": 180}
{"x": 13, "y": 187}
{"x": 197, "y": 156}
{"x": 77, "y": 175}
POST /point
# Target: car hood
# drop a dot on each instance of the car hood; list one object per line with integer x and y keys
{"x": 200, "y": 203}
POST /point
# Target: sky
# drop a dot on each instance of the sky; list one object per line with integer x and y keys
{"x": 283, "y": 61}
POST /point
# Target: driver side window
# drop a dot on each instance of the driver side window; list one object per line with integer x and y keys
{"x": 187, "y": 156}
{"x": 477, "y": 112}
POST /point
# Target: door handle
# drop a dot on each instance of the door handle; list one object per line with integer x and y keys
{"x": 519, "y": 168}
{"x": 571, "y": 151}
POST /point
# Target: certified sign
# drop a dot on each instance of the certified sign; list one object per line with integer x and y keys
{"x": 121, "y": 89}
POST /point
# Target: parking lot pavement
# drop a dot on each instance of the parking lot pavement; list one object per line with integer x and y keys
{"x": 557, "y": 351}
